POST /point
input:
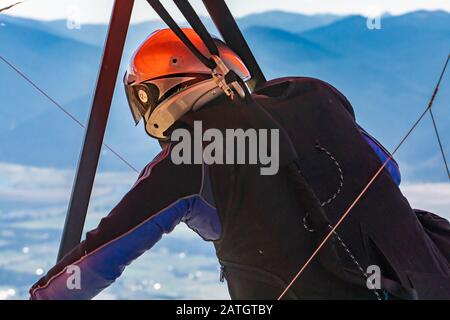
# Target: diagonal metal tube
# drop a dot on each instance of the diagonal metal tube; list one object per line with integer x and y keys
{"x": 95, "y": 129}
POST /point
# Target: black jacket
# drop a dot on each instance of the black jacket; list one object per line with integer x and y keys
{"x": 264, "y": 241}
{"x": 259, "y": 228}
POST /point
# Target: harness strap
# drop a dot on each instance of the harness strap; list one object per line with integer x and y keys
{"x": 198, "y": 26}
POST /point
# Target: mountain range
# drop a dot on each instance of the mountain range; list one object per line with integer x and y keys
{"x": 388, "y": 74}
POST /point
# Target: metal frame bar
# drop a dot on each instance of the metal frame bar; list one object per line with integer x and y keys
{"x": 95, "y": 130}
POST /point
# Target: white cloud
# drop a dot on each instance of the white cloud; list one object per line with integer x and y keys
{"x": 434, "y": 197}
{"x": 29, "y": 184}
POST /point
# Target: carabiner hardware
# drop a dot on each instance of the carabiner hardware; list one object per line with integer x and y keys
{"x": 219, "y": 73}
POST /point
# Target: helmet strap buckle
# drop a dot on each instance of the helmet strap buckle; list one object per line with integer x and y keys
{"x": 219, "y": 73}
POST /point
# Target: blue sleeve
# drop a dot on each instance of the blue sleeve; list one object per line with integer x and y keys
{"x": 154, "y": 206}
{"x": 391, "y": 166}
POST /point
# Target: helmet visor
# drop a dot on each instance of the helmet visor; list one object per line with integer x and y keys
{"x": 146, "y": 96}
{"x": 141, "y": 98}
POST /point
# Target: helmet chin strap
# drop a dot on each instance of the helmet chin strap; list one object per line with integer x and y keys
{"x": 174, "y": 107}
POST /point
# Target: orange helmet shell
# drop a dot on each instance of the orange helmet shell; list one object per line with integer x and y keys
{"x": 165, "y": 79}
{"x": 163, "y": 53}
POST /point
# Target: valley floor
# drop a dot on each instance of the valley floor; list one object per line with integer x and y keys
{"x": 181, "y": 266}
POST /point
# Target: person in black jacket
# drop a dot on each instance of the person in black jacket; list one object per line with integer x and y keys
{"x": 261, "y": 232}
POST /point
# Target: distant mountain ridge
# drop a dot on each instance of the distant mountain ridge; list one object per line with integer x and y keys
{"x": 287, "y": 21}
{"x": 387, "y": 74}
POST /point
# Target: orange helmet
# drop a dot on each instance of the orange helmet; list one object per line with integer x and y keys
{"x": 165, "y": 79}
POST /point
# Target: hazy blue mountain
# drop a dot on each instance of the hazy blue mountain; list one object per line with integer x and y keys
{"x": 280, "y": 52}
{"x": 387, "y": 74}
{"x": 33, "y": 129}
{"x": 287, "y": 21}
{"x": 95, "y": 33}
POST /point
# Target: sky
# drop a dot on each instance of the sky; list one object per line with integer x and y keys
{"x": 98, "y": 11}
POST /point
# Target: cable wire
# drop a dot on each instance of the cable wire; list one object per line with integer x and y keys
{"x": 434, "y": 121}
{"x": 71, "y": 116}
{"x": 353, "y": 204}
